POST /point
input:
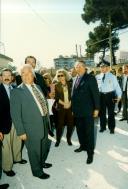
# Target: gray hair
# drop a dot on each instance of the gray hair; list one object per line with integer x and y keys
{"x": 80, "y": 62}
{"x": 27, "y": 66}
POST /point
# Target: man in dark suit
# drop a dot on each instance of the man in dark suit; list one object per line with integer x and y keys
{"x": 124, "y": 94}
{"x": 38, "y": 79}
{"x": 11, "y": 148}
{"x": 30, "y": 116}
{"x": 85, "y": 106}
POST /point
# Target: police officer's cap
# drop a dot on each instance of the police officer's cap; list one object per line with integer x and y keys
{"x": 104, "y": 63}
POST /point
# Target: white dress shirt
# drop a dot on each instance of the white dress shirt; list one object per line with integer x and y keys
{"x": 38, "y": 104}
{"x": 124, "y": 81}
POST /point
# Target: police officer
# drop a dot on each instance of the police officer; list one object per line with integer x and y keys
{"x": 110, "y": 92}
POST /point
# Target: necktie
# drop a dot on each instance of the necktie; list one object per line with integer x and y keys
{"x": 77, "y": 82}
{"x": 103, "y": 78}
{"x": 41, "y": 99}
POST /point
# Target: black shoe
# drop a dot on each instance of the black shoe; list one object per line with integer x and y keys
{"x": 102, "y": 130}
{"x": 9, "y": 173}
{"x": 23, "y": 161}
{"x": 123, "y": 119}
{"x": 80, "y": 149}
{"x": 89, "y": 159}
{"x": 4, "y": 186}
{"x": 112, "y": 132}
{"x": 57, "y": 144}
{"x": 69, "y": 143}
{"x": 44, "y": 176}
{"x": 47, "y": 165}
{"x": 51, "y": 133}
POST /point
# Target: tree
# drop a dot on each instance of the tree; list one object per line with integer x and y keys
{"x": 102, "y": 10}
{"x": 112, "y": 14}
{"x": 99, "y": 41}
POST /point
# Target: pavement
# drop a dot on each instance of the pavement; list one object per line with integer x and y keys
{"x": 70, "y": 171}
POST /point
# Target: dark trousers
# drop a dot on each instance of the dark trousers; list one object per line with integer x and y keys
{"x": 38, "y": 150}
{"x": 85, "y": 132}
{"x": 107, "y": 103}
{"x": 64, "y": 117}
{"x": 125, "y": 105}
{"x": 0, "y": 159}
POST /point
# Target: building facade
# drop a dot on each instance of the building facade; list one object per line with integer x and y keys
{"x": 68, "y": 62}
{"x": 4, "y": 60}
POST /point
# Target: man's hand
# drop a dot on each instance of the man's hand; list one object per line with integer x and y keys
{"x": 67, "y": 105}
{"x": 51, "y": 95}
{"x": 23, "y": 137}
{"x": 118, "y": 100}
{"x": 1, "y": 136}
{"x": 95, "y": 113}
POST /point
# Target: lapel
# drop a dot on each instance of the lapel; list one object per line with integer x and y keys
{"x": 82, "y": 81}
{"x": 28, "y": 94}
{"x": 29, "y": 97}
{"x": 5, "y": 95}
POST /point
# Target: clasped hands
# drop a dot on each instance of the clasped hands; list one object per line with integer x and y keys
{"x": 67, "y": 105}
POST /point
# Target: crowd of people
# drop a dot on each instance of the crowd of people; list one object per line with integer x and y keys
{"x": 77, "y": 97}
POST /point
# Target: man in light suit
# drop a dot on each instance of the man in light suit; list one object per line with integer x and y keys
{"x": 31, "y": 121}
{"x": 85, "y": 106}
{"x": 11, "y": 150}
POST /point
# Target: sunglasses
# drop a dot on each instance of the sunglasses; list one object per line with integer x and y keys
{"x": 45, "y": 78}
{"x": 60, "y": 76}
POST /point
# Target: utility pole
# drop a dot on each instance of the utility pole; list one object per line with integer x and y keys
{"x": 0, "y": 25}
{"x": 80, "y": 50}
{"x": 110, "y": 40}
{"x": 76, "y": 51}
{"x": 2, "y": 46}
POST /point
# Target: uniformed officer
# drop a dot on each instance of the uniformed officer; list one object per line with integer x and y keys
{"x": 110, "y": 92}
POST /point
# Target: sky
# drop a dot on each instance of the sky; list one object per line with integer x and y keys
{"x": 45, "y": 29}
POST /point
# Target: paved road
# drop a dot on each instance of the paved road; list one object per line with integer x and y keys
{"x": 70, "y": 171}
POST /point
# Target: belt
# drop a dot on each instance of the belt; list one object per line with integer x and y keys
{"x": 107, "y": 92}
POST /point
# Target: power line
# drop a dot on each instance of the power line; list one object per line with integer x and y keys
{"x": 35, "y": 12}
{"x": 107, "y": 38}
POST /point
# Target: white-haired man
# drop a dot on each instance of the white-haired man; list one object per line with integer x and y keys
{"x": 30, "y": 116}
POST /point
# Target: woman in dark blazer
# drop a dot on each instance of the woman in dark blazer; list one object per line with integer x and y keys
{"x": 63, "y": 101}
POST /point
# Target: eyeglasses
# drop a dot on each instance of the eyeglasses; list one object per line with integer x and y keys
{"x": 60, "y": 76}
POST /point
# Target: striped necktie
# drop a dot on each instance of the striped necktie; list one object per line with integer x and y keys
{"x": 77, "y": 82}
{"x": 41, "y": 99}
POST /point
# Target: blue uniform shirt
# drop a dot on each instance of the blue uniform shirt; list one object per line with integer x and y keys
{"x": 109, "y": 84}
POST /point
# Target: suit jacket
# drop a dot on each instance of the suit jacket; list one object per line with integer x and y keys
{"x": 25, "y": 113}
{"x": 5, "y": 117}
{"x": 85, "y": 98}
{"x": 39, "y": 80}
{"x": 59, "y": 94}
